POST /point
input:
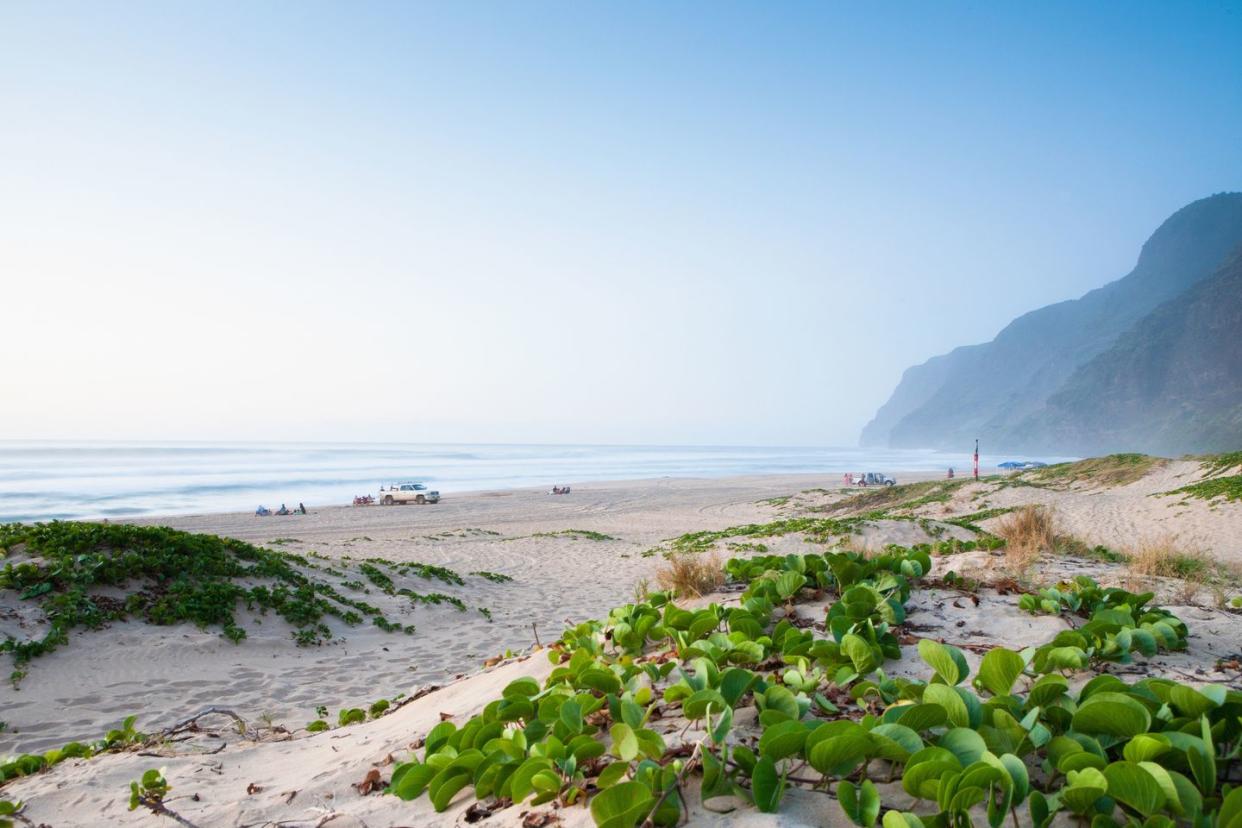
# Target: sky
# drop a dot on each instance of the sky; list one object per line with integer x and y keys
{"x": 661, "y": 223}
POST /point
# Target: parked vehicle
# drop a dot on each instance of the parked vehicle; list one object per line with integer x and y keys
{"x": 874, "y": 479}
{"x": 408, "y": 493}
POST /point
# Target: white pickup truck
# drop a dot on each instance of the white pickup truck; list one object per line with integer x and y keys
{"x": 407, "y": 493}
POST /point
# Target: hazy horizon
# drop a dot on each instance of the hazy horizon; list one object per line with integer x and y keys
{"x": 551, "y": 224}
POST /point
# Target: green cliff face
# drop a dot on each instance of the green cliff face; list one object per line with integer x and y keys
{"x": 1170, "y": 385}
{"x": 1026, "y": 390}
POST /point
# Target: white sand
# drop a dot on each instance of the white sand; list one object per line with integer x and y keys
{"x": 164, "y": 674}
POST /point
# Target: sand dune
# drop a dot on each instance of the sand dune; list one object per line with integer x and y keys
{"x": 296, "y": 778}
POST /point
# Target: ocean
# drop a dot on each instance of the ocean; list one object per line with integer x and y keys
{"x": 42, "y": 481}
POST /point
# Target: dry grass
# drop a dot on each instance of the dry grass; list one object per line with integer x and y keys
{"x": 1028, "y": 533}
{"x": 1162, "y": 557}
{"x": 691, "y": 575}
{"x": 1196, "y": 572}
{"x": 1113, "y": 470}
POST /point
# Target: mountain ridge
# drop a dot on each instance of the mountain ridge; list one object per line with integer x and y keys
{"x": 992, "y": 390}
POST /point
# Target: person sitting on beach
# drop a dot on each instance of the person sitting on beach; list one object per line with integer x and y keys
{"x": 262, "y": 511}
{"x": 282, "y": 510}
{"x": 301, "y": 508}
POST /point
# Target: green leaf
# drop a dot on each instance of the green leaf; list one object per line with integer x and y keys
{"x": 695, "y": 707}
{"x": 621, "y": 806}
{"x": 720, "y": 729}
{"x": 612, "y": 774}
{"x": 1202, "y": 761}
{"x": 523, "y": 687}
{"x": 1018, "y": 777}
{"x": 1129, "y": 784}
{"x": 788, "y": 583}
{"x": 860, "y": 803}
{"x": 1112, "y": 713}
{"x": 861, "y": 654}
{"x": 780, "y": 698}
{"x": 734, "y": 683}
{"x": 624, "y": 742}
{"x": 1188, "y": 796}
{"x": 1168, "y": 788}
{"x": 1084, "y": 789}
{"x": 650, "y": 743}
{"x": 546, "y": 781}
{"x": 1189, "y": 701}
{"x": 781, "y": 740}
{"x": 631, "y": 713}
{"x": 767, "y": 786}
{"x": 839, "y": 755}
{"x": 445, "y": 786}
{"x": 922, "y": 780}
{"x": 901, "y": 819}
{"x": 1145, "y": 747}
{"x": 1230, "y": 815}
{"x": 920, "y": 717}
{"x": 438, "y": 737}
{"x": 715, "y": 781}
{"x": 967, "y": 745}
{"x": 1041, "y": 813}
{"x": 603, "y": 681}
{"x": 521, "y": 783}
{"x": 948, "y": 662}
{"x": 410, "y": 780}
{"x": 999, "y": 670}
{"x": 571, "y": 716}
{"x": 947, "y": 697}
{"x": 895, "y": 742}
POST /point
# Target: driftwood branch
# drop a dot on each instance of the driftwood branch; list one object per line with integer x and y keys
{"x": 186, "y": 724}
{"x": 415, "y": 696}
{"x": 160, "y": 809}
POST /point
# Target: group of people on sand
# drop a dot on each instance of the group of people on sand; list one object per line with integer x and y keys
{"x": 560, "y": 490}
{"x": 263, "y": 511}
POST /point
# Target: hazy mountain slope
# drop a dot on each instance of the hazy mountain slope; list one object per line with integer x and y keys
{"x": 918, "y": 384}
{"x": 989, "y": 390}
{"x": 1172, "y": 384}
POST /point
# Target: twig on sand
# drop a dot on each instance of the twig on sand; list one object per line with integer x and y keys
{"x": 681, "y": 778}
{"x": 535, "y": 629}
{"x": 186, "y": 724}
{"x": 160, "y": 809}
{"x": 415, "y": 696}
{"x": 324, "y": 819}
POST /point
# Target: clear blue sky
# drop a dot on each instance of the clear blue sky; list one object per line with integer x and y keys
{"x": 675, "y": 223}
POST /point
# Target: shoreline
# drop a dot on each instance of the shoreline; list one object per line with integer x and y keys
{"x": 810, "y": 480}
{"x": 93, "y": 482}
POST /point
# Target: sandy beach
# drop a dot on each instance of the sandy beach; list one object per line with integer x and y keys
{"x": 570, "y": 558}
{"x": 558, "y": 580}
